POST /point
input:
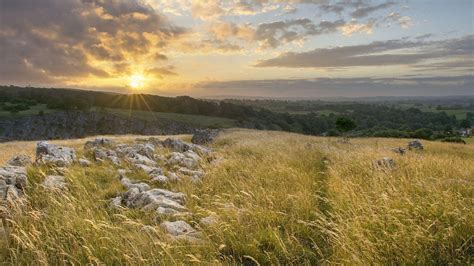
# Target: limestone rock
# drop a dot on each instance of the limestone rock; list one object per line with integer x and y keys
{"x": 399, "y": 150}
{"x": 209, "y": 220}
{"x": 101, "y": 154}
{"x": 177, "y": 228}
{"x": 203, "y": 137}
{"x": 20, "y": 160}
{"x": 415, "y": 145}
{"x": 54, "y": 182}
{"x": 99, "y": 142}
{"x": 84, "y": 162}
{"x": 385, "y": 163}
{"x": 55, "y": 155}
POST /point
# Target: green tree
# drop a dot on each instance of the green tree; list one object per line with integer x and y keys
{"x": 344, "y": 125}
{"x": 465, "y": 124}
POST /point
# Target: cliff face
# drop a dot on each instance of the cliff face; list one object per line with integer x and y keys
{"x": 67, "y": 125}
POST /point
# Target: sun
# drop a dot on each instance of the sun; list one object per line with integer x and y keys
{"x": 137, "y": 81}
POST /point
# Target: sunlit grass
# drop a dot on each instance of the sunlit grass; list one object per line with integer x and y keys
{"x": 281, "y": 199}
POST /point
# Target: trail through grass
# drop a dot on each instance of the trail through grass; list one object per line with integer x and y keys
{"x": 281, "y": 198}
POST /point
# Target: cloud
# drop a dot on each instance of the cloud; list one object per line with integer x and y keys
{"x": 51, "y": 40}
{"x": 342, "y": 87}
{"x": 366, "y": 10}
{"x": 381, "y": 53}
{"x": 278, "y": 33}
{"x": 159, "y": 72}
{"x": 403, "y": 21}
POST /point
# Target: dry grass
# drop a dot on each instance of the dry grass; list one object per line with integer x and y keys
{"x": 281, "y": 198}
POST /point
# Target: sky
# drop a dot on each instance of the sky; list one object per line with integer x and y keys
{"x": 241, "y": 48}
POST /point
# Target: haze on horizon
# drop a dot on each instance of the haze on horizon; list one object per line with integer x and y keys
{"x": 249, "y": 48}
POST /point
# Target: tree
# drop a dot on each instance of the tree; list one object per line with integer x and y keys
{"x": 344, "y": 125}
{"x": 465, "y": 124}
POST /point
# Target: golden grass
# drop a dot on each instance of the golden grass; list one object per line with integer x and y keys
{"x": 281, "y": 199}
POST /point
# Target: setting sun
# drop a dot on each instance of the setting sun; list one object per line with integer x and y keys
{"x": 137, "y": 81}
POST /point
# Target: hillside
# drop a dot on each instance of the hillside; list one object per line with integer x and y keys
{"x": 267, "y": 197}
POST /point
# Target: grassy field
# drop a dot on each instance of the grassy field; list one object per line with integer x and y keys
{"x": 34, "y": 110}
{"x": 281, "y": 198}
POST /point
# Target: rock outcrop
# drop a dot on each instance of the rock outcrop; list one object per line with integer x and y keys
{"x": 205, "y": 136}
{"x": 415, "y": 145}
{"x": 54, "y": 155}
{"x": 385, "y": 163}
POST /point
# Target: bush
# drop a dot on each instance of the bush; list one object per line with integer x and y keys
{"x": 454, "y": 140}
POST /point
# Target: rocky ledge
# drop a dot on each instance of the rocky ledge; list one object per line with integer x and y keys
{"x": 171, "y": 160}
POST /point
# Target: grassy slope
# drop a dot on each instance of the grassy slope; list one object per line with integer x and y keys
{"x": 34, "y": 110}
{"x": 281, "y": 197}
{"x": 198, "y": 120}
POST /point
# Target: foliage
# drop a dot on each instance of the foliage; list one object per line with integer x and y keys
{"x": 344, "y": 124}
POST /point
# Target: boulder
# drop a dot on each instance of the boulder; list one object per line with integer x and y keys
{"x": 54, "y": 182}
{"x": 188, "y": 159}
{"x": 136, "y": 158}
{"x": 399, "y": 150}
{"x": 128, "y": 184}
{"x": 99, "y": 142}
{"x": 182, "y": 146}
{"x": 20, "y": 160}
{"x": 14, "y": 175}
{"x": 84, "y": 162}
{"x": 415, "y": 145}
{"x": 144, "y": 149}
{"x": 209, "y": 220}
{"x": 203, "y": 137}
{"x": 101, "y": 154}
{"x": 177, "y": 228}
{"x": 194, "y": 175}
{"x": 55, "y": 155}
{"x": 385, "y": 163}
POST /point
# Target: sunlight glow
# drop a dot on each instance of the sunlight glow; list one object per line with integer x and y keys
{"x": 137, "y": 81}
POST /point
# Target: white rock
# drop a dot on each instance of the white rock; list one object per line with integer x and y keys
{"x": 84, "y": 162}
{"x": 55, "y": 155}
{"x": 177, "y": 228}
{"x": 19, "y": 160}
{"x": 54, "y": 182}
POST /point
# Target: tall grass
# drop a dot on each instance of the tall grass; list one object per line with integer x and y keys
{"x": 281, "y": 199}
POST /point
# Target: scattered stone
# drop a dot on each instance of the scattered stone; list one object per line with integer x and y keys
{"x": 136, "y": 158}
{"x": 127, "y": 183}
{"x": 203, "y": 137}
{"x": 415, "y": 145}
{"x": 194, "y": 175}
{"x": 188, "y": 159}
{"x": 54, "y": 182}
{"x": 84, "y": 162}
{"x": 116, "y": 203}
{"x": 145, "y": 149}
{"x": 385, "y": 163}
{"x": 101, "y": 154}
{"x": 20, "y": 160}
{"x": 15, "y": 176}
{"x": 177, "y": 228}
{"x": 99, "y": 142}
{"x": 55, "y": 155}
{"x": 182, "y": 146}
{"x": 399, "y": 150}
{"x": 173, "y": 177}
{"x": 209, "y": 220}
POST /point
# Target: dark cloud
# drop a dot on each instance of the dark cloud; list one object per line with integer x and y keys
{"x": 382, "y": 53}
{"x": 55, "y": 39}
{"x": 343, "y": 87}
